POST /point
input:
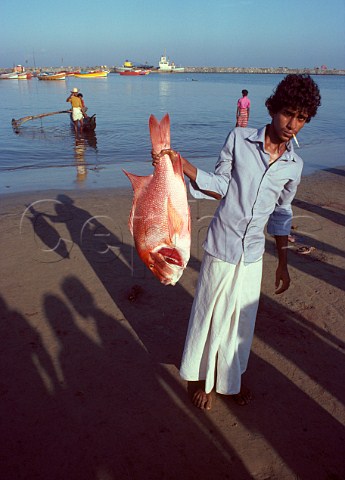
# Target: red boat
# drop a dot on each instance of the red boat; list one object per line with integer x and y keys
{"x": 131, "y": 73}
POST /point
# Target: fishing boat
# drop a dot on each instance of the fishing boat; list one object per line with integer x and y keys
{"x": 68, "y": 74}
{"x": 18, "y": 73}
{"x": 92, "y": 74}
{"x": 132, "y": 73}
{"x": 51, "y": 76}
{"x": 129, "y": 69}
{"x": 126, "y": 67}
{"x": 22, "y": 73}
{"x": 9, "y": 76}
{"x": 89, "y": 123}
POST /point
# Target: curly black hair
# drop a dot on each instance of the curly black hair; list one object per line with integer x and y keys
{"x": 298, "y": 92}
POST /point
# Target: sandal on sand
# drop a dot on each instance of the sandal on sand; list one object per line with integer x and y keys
{"x": 305, "y": 250}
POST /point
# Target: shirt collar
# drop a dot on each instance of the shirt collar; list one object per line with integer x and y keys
{"x": 259, "y": 137}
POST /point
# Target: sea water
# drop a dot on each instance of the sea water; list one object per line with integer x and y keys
{"x": 45, "y": 153}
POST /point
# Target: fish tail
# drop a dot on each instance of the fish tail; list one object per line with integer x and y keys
{"x": 165, "y": 131}
{"x": 160, "y": 133}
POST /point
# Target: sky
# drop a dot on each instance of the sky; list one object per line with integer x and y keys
{"x": 239, "y": 33}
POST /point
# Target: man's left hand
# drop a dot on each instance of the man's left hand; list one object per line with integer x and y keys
{"x": 282, "y": 279}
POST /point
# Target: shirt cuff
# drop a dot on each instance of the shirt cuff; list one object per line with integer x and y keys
{"x": 196, "y": 193}
{"x": 208, "y": 181}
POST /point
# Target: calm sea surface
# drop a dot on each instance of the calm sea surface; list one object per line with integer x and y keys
{"x": 45, "y": 153}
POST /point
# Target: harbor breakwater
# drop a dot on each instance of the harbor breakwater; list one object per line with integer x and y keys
{"x": 263, "y": 70}
{"x": 254, "y": 70}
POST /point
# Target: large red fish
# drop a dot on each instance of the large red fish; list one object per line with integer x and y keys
{"x": 160, "y": 216}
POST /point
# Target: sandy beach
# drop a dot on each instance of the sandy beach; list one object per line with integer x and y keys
{"x": 91, "y": 345}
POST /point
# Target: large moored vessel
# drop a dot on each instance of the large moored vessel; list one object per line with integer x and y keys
{"x": 126, "y": 67}
{"x": 165, "y": 66}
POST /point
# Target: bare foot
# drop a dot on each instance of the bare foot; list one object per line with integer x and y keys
{"x": 199, "y": 397}
{"x": 203, "y": 400}
{"x": 244, "y": 397}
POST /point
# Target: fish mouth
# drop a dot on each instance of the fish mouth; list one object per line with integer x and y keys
{"x": 171, "y": 256}
{"x": 167, "y": 265}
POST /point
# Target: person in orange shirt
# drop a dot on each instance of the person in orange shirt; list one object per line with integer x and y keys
{"x": 77, "y": 113}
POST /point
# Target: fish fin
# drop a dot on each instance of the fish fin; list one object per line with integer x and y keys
{"x": 178, "y": 169}
{"x": 160, "y": 133}
{"x": 175, "y": 221}
{"x": 138, "y": 182}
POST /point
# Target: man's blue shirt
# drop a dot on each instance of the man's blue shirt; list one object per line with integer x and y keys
{"x": 253, "y": 193}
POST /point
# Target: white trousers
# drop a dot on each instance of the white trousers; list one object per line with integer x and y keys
{"x": 221, "y": 325}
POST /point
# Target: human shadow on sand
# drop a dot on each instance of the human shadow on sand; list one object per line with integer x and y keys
{"x": 114, "y": 414}
{"x": 128, "y": 282}
{"x": 49, "y": 236}
{"x": 322, "y": 211}
{"x": 117, "y": 364}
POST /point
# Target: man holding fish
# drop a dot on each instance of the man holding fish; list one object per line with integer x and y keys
{"x": 255, "y": 179}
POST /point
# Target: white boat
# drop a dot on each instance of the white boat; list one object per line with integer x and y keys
{"x": 165, "y": 66}
{"x": 17, "y": 73}
{"x": 9, "y": 76}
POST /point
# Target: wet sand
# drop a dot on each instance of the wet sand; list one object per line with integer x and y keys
{"x": 91, "y": 345}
